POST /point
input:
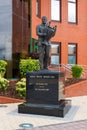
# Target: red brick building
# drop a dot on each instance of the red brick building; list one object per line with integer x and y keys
{"x": 70, "y": 42}
{"x": 68, "y": 45}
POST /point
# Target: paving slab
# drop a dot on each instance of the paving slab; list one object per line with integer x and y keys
{"x": 10, "y": 119}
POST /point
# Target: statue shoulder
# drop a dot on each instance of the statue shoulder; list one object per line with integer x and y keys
{"x": 38, "y": 26}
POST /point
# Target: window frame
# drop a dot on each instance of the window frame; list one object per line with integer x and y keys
{"x": 38, "y": 8}
{"x": 56, "y": 54}
{"x": 73, "y": 22}
{"x": 74, "y": 54}
{"x": 56, "y": 20}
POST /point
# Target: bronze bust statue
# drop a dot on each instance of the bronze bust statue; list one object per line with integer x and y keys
{"x": 44, "y": 33}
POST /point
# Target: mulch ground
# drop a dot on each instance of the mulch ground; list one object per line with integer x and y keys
{"x": 10, "y": 95}
{"x": 71, "y": 81}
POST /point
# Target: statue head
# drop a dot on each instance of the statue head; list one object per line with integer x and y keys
{"x": 44, "y": 20}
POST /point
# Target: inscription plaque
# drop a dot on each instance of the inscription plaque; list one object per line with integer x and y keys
{"x": 42, "y": 87}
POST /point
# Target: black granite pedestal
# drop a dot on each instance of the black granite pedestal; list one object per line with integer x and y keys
{"x": 45, "y": 94}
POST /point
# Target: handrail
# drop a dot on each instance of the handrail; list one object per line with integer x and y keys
{"x": 68, "y": 72}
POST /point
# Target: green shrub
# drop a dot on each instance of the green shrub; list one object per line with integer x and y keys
{"x": 3, "y": 65}
{"x": 21, "y": 87}
{"x": 28, "y": 65}
{"x": 3, "y": 83}
{"x": 76, "y": 71}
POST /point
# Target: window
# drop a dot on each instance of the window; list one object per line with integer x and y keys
{"x": 55, "y": 10}
{"x": 38, "y": 11}
{"x": 72, "y": 4}
{"x": 72, "y": 53}
{"x": 55, "y": 54}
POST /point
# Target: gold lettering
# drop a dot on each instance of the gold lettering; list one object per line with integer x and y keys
{"x": 53, "y": 77}
{"x": 32, "y": 76}
{"x": 42, "y": 84}
{"x": 46, "y": 76}
{"x": 36, "y": 89}
{"x": 38, "y": 76}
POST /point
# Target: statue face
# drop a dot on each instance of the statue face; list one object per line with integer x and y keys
{"x": 44, "y": 20}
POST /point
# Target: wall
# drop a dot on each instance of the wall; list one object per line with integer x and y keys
{"x": 78, "y": 89}
{"x": 21, "y": 29}
{"x": 20, "y": 32}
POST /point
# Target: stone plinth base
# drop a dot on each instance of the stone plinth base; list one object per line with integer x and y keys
{"x": 43, "y": 109}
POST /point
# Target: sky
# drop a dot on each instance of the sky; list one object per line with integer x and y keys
{"x": 5, "y": 2}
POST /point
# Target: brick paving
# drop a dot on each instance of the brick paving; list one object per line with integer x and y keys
{"x": 77, "y": 125}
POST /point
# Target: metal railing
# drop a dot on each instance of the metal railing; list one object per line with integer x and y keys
{"x": 66, "y": 68}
